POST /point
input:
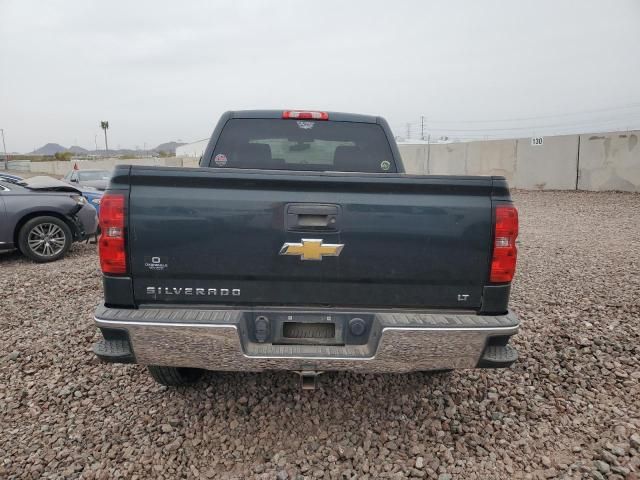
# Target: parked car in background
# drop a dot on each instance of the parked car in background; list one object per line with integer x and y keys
{"x": 93, "y": 196}
{"x": 10, "y": 178}
{"x": 97, "y": 179}
{"x": 43, "y": 216}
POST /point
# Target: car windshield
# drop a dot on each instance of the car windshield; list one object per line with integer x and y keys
{"x": 277, "y": 144}
{"x": 94, "y": 175}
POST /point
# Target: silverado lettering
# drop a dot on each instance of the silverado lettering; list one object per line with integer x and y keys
{"x": 192, "y": 291}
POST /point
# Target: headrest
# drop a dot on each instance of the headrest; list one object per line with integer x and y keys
{"x": 253, "y": 155}
{"x": 351, "y": 159}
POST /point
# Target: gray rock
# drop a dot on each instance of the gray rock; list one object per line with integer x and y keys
{"x": 602, "y": 467}
{"x": 620, "y": 470}
{"x": 608, "y": 457}
{"x": 616, "y": 450}
{"x": 175, "y": 445}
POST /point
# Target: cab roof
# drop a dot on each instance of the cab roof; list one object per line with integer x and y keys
{"x": 333, "y": 116}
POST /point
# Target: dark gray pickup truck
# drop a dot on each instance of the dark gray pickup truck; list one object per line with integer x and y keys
{"x": 301, "y": 244}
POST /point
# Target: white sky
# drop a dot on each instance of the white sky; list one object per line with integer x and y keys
{"x": 161, "y": 71}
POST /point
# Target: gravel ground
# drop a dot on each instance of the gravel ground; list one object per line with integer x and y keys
{"x": 570, "y": 408}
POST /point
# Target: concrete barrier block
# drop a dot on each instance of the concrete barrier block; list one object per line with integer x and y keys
{"x": 550, "y": 166}
{"x": 447, "y": 159}
{"x": 610, "y": 162}
{"x": 414, "y": 158}
{"x": 497, "y": 157}
{"x": 191, "y": 162}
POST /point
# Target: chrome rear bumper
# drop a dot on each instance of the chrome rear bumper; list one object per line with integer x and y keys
{"x": 399, "y": 341}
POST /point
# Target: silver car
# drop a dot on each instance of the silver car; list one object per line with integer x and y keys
{"x": 42, "y": 217}
{"x": 98, "y": 179}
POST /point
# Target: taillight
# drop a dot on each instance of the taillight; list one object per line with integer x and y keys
{"x": 300, "y": 115}
{"x": 503, "y": 262}
{"x": 113, "y": 258}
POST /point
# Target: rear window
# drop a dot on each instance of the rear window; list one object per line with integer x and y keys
{"x": 276, "y": 144}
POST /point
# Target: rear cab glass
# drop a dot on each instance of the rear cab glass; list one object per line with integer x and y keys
{"x": 304, "y": 145}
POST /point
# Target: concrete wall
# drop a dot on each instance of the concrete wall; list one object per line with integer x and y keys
{"x": 588, "y": 162}
{"x": 56, "y": 167}
{"x": 19, "y": 165}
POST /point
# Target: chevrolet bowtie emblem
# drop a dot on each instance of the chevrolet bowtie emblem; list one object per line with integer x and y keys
{"x": 311, "y": 249}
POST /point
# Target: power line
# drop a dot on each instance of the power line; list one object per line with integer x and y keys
{"x": 596, "y": 124}
{"x": 536, "y": 117}
{"x": 534, "y": 127}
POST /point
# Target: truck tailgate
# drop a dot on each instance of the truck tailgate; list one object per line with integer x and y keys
{"x": 216, "y": 237}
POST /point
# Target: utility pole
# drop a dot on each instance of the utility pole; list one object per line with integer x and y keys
{"x": 95, "y": 139}
{"x": 105, "y": 126}
{"x": 422, "y": 127}
{"x": 4, "y": 147}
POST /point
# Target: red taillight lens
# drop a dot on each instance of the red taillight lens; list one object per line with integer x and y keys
{"x": 113, "y": 258}
{"x": 300, "y": 115}
{"x": 503, "y": 263}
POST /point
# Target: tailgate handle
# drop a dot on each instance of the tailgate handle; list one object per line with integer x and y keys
{"x": 309, "y": 220}
{"x": 313, "y": 217}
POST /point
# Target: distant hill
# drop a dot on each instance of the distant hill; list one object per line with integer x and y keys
{"x": 49, "y": 149}
{"x": 169, "y": 147}
{"x": 77, "y": 150}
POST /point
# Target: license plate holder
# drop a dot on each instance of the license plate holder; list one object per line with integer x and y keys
{"x": 309, "y": 331}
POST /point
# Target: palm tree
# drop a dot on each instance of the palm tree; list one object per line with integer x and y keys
{"x": 105, "y": 126}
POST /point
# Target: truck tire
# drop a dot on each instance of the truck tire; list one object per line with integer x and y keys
{"x": 175, "y": 376}
{"x": 45, "y": 239}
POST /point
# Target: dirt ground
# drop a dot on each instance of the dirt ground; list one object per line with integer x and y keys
{"x": 569, "y": 408}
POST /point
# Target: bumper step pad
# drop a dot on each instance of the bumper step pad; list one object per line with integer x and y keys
{"x": 498, "y": 357}
{"x": 114, "y": 351}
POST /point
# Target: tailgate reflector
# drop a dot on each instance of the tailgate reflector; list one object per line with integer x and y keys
{"x": 113, "y": 258}
{"x": 503, "y": 262}
{"x": 305, "y": 115}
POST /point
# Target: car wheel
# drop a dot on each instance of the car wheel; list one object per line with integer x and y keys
{"x": 175, "y": 376}
{"x": 45, "y": 239}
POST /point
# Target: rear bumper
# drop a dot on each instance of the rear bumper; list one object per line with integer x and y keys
{"x": 399, "y": 341}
